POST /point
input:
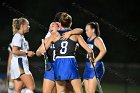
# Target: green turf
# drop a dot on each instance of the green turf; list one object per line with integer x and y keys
{"x": 120, "y": 88}
{"x": 109, "y": 88}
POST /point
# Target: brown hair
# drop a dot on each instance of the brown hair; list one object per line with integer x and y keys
{"x": 17, "y": 22}
{"x": 65, "y": 20}
{"x": 95, "y": 25}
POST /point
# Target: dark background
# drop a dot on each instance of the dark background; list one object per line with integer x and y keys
{"x": 122, "y": 14}
{"x": 119, "y": 26}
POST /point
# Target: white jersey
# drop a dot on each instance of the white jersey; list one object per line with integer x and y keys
{"x": 48, "y": 34}
{"x": 18, "y": 62}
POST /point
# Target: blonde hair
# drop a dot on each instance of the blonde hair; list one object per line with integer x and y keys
{"x": 17, "y": 22}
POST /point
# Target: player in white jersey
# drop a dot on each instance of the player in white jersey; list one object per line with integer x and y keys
{"x": 19, "y": 63}
{"x": 10, "y": 82}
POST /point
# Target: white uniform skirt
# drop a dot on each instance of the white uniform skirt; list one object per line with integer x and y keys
{"x": 16, "y": 64}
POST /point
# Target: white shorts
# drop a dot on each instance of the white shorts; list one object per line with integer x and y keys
{"x": 16, "y": 64}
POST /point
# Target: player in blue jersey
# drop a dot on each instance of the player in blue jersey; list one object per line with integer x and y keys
{"x": 95, "y": 42}
{"x": 65, "y": 66}
{"x": 49, "y": 81}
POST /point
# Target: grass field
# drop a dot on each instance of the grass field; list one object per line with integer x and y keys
{"x": 120, "y": 88}
{"x": 110, "y": 88}
{"x": 107, "y": 88}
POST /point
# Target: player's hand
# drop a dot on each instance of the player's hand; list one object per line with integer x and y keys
{"x": 66, "y": 35}
{"x": 92, "y": 61}
{"x": 42, "y": 51}
{"x": 30, "y": 53}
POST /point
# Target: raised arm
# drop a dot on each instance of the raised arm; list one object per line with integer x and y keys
{"x": 49, "y": 41}
{"x": 41, "y": 50}
{"x": 52, "y": 29}
{"x": 44, "y": 46}
{"x": 76, "y": 31}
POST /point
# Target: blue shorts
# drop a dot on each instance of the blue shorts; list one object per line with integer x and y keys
{"x": 49, "y": 74}
{"x": 66, "y": 68}
{"x": 89, "y": 72}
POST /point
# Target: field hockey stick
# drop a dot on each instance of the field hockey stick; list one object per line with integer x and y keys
{"x": 98, "y": 82}
{"x": 45, "y": 57}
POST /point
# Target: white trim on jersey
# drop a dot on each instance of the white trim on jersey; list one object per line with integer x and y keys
{"x": 65, "y": 57}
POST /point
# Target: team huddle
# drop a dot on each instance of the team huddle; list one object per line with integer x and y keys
{"x": 58, "y": 48}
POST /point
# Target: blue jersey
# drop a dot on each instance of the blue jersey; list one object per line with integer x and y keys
{"x": 89, "y": 72}
{"x": 64, "y": 47}
{"x": 93, "y": 47}
{"x": 65, "y": 66}
{"x": 49, "y": 74}
{"x": 51, "y": 53}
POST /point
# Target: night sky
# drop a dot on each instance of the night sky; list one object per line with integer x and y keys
{"x": 118, "y": 20}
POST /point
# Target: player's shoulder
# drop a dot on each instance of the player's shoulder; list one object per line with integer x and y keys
{"x": 98, "y": 39}
{"x": 17, "y": 35}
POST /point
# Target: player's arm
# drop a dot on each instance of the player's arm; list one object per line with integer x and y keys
{"x": 86, "y": 47}
{"x": 49, "y": 41}
{"x": 41, "y": 50}
{"x": 16, "y": 50}
{"x": 101, "y": 46}
{"x": 76, "y": 31}
{"x": 52, "y": 28}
